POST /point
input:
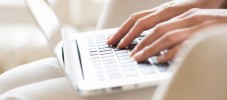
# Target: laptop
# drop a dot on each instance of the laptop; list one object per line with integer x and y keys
{"x": 92, "y": 66}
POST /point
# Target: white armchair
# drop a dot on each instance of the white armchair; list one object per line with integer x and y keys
{"x": 101, "y": 14}
{"x": 201, "y": 74}
{"x": 115, "y": 12}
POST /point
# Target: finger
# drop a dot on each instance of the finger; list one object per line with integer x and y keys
{"x": 167, "y": 41}
{"x": 126, "y": 26}
{"x": 187, "y": 13}
{"x": 165, "y": 27}
{"x": 169, "y": 55}
{"x": 148, "y": 22}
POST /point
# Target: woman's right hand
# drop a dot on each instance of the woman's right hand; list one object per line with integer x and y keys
{"x": 144, "y": 20}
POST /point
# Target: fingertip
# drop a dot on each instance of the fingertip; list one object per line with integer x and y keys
{"x": 133, "y": 52}
{"x": 138, "y": 56}
{"x": 121, "y": 45}
{"x": 109, "y": 40}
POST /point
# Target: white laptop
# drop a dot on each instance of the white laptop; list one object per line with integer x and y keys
{"x": 90, "y": 64}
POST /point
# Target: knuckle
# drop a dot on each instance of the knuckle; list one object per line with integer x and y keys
{"x": 196, "y": 17}
{"x": 159, "y": 28}
{"x": 170, "y": 8}
{"x": 119, "y": 32}
{"x": 142, "y": 44}
{"x": 134, "y": 16}
{"x": 169, "y": 38}
{"x": 145, "y": 51}
{"x": 141, "y": 23}
{"x": 193, "y": 10}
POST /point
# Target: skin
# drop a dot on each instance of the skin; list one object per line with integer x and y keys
{"x": 173, "y": 22}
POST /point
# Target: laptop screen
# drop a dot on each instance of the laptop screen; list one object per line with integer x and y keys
{"x": 46, "y": 20}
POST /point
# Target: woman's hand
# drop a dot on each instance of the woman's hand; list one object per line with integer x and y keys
{"x": 158, "y": 18}
{"x": 171, "y": 34}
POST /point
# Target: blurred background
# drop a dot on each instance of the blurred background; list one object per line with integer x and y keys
{"x": 22, "y": 42}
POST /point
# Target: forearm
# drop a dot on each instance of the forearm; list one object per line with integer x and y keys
{"x": 208, "y": 4}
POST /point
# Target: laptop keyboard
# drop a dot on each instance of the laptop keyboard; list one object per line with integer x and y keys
{"x": 112, "y": 63}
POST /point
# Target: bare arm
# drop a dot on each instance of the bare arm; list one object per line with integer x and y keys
{"x": 165, "y": 22}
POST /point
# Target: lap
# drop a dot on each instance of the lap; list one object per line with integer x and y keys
{"x": 30, "y": 73}
{"x": 45, "y": 80}
{"x": 61, "y": 89}
{"x": 53, "y": 89}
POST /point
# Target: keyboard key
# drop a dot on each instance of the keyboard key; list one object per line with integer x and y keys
{"x": 129, "y": 68}
{"x": 134, "y": 42}
{"x": 163, "y": 67}
{"x": 105, "y": 49}
{"x": 125, "y": 61}
{"x": 146, "y": 68}
{"x": 101, "y": 76}
{"x": 107, "y": 55}
{"x": 101, "y": 44}
{"x": 96, "y": 60}
{"x": 123, "y": 58}
{"x": 114, "y": 76}
{"x": 116, "y": 49}
{"x": 111, "y": 66}
{"x": 104, "y": 46}
{"x": 97, "y": 63}
{"x": 109, "y": 62}
{"x": 121, "y": 51}
{"x": 93, "y": 53}
{"x": 123, "y": 54}
{"x": 131, "y": 73}
{"x": 128, "y": 64}
{"x": 112, "y": 69}
{"x": 108, "y": 58}
{"x": 95, "y": 56}
{"x": 92, "y": 48}
{"x": 105, "y": 52}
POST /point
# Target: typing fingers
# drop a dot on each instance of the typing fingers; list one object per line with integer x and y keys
{"x": 169, "y": 40}
{"x": 163, "y": 28}
{"x": 169, "y": 55}
{"x": 126, "y": 26}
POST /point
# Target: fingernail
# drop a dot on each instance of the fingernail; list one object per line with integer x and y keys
{"x": 133, "y": 52}
{"x": 120, "y": 45}
{"x": 138, "y": 56}
{"x": 109, "y": 39}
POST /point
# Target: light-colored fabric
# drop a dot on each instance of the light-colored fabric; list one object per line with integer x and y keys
{"x": 201, "y": 75}
{"x": 115, "y": 12}
{"x": 53, "y": 89}
{"x": 45, "y": 80}
{"x": 30, "y": 73}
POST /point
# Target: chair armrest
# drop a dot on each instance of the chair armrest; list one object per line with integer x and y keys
{"x": 201, "y": 74}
